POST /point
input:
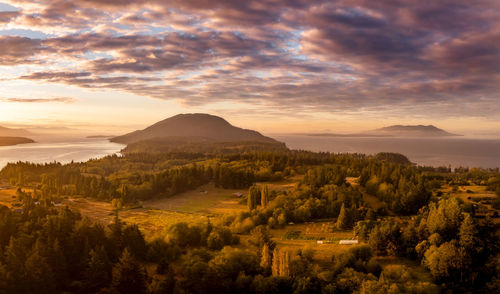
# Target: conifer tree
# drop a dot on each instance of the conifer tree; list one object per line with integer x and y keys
{"x": 264, "y": 197}
{"x": 128, "y": 276}
{"x": 343, "y": 220}
{"x": 253, "y": 194}
{"x": 266, "y": 260}
{"x": 276, "y": 262}
{"x": 98, "y": 272}
{"x": 284, "y": 264}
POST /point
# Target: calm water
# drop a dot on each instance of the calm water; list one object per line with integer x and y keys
{"x": 456, "y": 151}
{"x": 81, "y": 150}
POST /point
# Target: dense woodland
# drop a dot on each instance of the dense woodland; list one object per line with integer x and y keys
{"x": 47, "y": 249}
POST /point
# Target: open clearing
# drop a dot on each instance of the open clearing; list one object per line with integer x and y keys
{"x": 205, "y": 199}
{"x": 7, "y": 197}
{"x": 299, "y": 236}
{"x": 371, "y": 200}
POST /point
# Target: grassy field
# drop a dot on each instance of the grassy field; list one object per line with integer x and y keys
{"x": 471, "y": 193}
{"x": 7, "y": 197}
{"x": 206, "y": 199}
{"x": 308, "y": 236}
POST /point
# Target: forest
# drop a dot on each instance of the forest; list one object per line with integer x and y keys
{"x": 51, "y": 248}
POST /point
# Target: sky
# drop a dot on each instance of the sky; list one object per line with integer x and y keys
{"x": 278, "y": 66}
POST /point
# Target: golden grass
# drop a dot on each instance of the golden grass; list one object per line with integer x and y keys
{"x": 205, "y": 199}
{"x": 322, "y": 230}
{"x": 7, "y": 196}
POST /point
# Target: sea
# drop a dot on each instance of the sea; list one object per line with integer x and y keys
{"x": 444, "y": 151}
{"x": 449, "y": 151}
{"x": 77, "y": 150}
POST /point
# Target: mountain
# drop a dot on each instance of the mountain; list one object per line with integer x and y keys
{"x": 6, "y": 132}
{"x": 412, "y": 131}
{"x": 194, "y": 125}
{"x": 9, "y": 141}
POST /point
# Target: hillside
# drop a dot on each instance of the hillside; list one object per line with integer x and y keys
{"x": 200, "y": 145}
{"x": 194, "y": 125}
{"x": 9, "y": 141}
{"x": 412, "y": 131}
{"x": 7, "y": 132}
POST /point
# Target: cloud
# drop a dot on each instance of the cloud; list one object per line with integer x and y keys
{"x": 296, "y": 55}
{"x": 66, "y": 100}
{"x": 8, "y": 16}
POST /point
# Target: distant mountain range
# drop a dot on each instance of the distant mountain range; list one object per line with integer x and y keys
{"x": 9, "y": 141}
{"x": 194, "y": 125}
{"x": 397, "y": 131}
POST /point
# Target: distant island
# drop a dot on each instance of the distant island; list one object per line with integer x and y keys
{"x": 397, "y": 131}
{"x": 9, "y": 137}
{"x": 9, "y": 141}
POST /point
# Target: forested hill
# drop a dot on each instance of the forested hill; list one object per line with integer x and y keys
{"x": 194, "y": 125}
{"x": 9, "y": 141}
{"x": 201, "y": 145}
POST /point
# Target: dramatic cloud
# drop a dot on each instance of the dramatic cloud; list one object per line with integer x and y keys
{"x": 328, "y": 56}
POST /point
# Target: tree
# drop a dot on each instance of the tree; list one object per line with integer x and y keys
{"x": 468, "y": 233}
{"x": 344, "y": 219}
{"x": 265, "y": 259}
{"x": 38, "y": 274}
{"x": 264, "y": 197}
{"x": 443, "y": 261}
{"x": 276, "y": 262}
{"x": 285, "y": 264}
{"x": 98, "y": 272}
{"x": 253, "y": 195}
{"x": 128, "y": 276}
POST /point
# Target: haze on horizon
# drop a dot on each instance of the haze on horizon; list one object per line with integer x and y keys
{"x": 277, "y": 66}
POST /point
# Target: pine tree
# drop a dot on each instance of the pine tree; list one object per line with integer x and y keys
{"x": 276, "y": 262}
{"x": 128, "y": 276}
{"x": 265, "y": 260}
{"x": 284, "y": 264}
{"x": 264, "y": 197}
{"x": 343, "y": 220}
{"x": 98, "y": 272}
{"x": 253, "y": 194}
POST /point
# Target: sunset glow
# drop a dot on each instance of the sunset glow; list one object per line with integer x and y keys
{"x": 278, "y": 66}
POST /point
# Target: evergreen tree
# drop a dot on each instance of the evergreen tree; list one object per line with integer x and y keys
{"x": 284, "y": 264}
{"x": 98, "y": 272}
{"x": 265, "y": 259}
{"x": 128, "y": 276}
{"x": 276, "y": 262}
{"x": 344, "y": 219}
{"x": 253, "y": 194}
{"x": 264, "y": 197}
